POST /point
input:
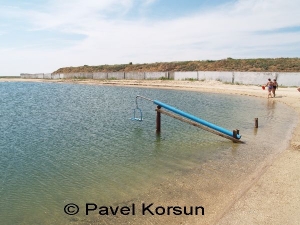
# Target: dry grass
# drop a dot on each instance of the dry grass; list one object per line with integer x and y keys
{"x": 229, "y": 64}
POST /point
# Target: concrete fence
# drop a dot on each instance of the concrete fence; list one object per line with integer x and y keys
{"x": 116, "y": 75}
{"x": 254, "y": 78}
{"x": 192, "y": 75}
{"x": 32, "y": 76}
{"x": 156, "y": 75}
{"x": 100, "y": 76}
{"x": 288, "y": 79}
{"x": 227, "y": 77}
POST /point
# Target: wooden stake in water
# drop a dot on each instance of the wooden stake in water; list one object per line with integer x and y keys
{"x": 235, "y": 133}
{"x": 158, "y": 120}
{"x": 256, "y": 122}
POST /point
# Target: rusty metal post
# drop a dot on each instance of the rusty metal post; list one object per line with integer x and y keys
{"x": 158, "y": 120}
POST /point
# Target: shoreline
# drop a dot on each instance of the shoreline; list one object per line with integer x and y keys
{"x": 272, "y": 197}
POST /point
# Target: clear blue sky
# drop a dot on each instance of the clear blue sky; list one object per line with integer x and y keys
{"x": 42, "y": 36}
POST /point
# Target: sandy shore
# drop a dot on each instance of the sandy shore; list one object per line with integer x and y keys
{"x": 274, "y": 196}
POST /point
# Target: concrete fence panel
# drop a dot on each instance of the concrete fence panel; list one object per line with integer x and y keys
{"x": 67, "y": 75}
{"x": 186, "y": 75}
{"x": 83, "y": 75}
{"x": 40, "y": 76}
{"x": 32, "y": 76}
{"x": 216, "y": 75}
{"x": 55, "y": 76}
{"x": 156, "y": 75}
{"x": 47, "y": 75}
{"x": 75, "y": 76}
{"x": 253, "y": 77}
{"x": 134, "y": 75}
{"x": 288, "y": 79}
{"x": 116, "y": 75}
{"x": 171, "y": 75}
{"x": 100, "y": 76}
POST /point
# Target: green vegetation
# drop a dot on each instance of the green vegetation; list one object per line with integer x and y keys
{"x": 229, "y": 64}
{"x": 79, "y": 78}
{"x": 164, "y": 78}
{"x": 191, "y": 79}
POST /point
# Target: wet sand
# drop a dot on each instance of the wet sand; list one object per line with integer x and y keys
{"x": 271, "y": 196}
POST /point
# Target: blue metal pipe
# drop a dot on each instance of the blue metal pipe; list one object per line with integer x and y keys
{"x": 196, "y": 119}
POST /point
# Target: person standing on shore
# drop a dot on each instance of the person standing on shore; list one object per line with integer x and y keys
{"x": 270, "y": 87}
{"x": 275, "y": 86}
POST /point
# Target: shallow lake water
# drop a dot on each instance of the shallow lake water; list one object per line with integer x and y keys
{"x": 68, "y": 143}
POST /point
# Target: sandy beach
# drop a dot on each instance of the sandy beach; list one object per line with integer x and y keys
{"x": 272, "y": 197}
